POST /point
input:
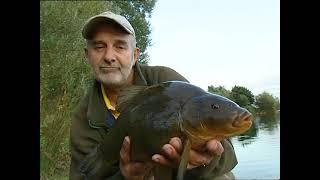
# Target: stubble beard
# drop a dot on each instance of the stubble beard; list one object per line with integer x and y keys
{"x": 115, "y": 78}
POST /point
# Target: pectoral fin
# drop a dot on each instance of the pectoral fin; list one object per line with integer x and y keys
{"x": 184, "y": 160}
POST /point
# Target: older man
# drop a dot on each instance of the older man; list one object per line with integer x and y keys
{"x": 112, "y": 54}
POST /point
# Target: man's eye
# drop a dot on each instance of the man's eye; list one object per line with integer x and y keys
{"x": 99, "y": 47}
{"x": 120, "y": 47}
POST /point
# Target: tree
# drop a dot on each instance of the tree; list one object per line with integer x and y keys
{"x": 220, "y": 90}
{"x": 266, "y": 103}
{"x": 137, "y": 13}
{"x": 277, "y": 106}
{"x": 242, "y": 96}
{"x": 240, "y": 99}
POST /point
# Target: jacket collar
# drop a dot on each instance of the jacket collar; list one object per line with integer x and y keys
{"x": 139, "y": 78}
{"x": 97, "y": 112}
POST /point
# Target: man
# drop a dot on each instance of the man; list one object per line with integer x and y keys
{"x": 112, "y": 54}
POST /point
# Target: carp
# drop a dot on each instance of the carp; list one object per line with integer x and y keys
{"x": 152, "y": 115}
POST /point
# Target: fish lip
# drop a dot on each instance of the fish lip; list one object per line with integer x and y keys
{"x": 246, "y": 116}
{"x": 243, "y": 120}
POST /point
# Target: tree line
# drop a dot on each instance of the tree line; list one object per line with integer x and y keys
{"x": 263, "y": 103}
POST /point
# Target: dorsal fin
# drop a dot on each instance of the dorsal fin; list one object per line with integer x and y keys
{"x": 126, "y": 94}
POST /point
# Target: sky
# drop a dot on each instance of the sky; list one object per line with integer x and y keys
{"x": 219, "y": 42}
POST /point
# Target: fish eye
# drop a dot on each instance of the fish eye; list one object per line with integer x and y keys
{"x": 214, "y": 106}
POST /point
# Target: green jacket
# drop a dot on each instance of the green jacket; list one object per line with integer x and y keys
{"x": 88, "y": 129}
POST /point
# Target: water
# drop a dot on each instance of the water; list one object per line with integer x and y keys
{"x": 258, "y": 150}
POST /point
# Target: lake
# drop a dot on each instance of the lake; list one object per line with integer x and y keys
{"x": 258, "y": 150}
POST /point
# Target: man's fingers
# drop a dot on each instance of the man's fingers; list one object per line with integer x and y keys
{"x": 132, "y": 169}
{"x": 162, "y": 160}
{"x": 125, "y": 149}
{"x": 214, "y": 147}
{"x": 198, "y": 159}
{"x": 126, "y": 143}
{"x": 171, "y": 154}
{"x": 176, "y": 143}
{"x": 191, "y": 166}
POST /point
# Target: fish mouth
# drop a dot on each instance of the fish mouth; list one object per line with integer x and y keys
{"x": 244, "y": 121}
{"x": 240, "y": 124}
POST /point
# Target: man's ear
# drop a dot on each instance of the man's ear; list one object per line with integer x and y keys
{"x": 136, "y": 55}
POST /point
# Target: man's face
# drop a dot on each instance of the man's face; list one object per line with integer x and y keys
{"x": 111, "y": 55}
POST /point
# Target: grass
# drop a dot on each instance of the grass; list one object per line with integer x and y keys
{"x": 64, "y": 78}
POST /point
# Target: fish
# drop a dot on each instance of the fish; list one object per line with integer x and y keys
{"x": 152, "y": 115}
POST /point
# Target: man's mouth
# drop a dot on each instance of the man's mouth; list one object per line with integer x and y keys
{"x": 109, "y": 69}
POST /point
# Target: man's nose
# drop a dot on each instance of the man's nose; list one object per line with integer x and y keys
{"x": 109, "y": 55}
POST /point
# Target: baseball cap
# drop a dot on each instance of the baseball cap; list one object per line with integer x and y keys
{"x": 106, "y": 16}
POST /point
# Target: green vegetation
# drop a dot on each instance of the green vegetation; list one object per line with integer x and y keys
{"x": 264, "y": 103}
{"x": 242, "y": 96}
{"x": 137, "y": 12}
{"x": 221, "y": 90}
{"x": 267, "y": 104}
{"x": 64, "y": 73}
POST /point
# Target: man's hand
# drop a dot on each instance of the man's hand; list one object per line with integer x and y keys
{"x": 171, "y": 155}
{"x": 132, "y": 170}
